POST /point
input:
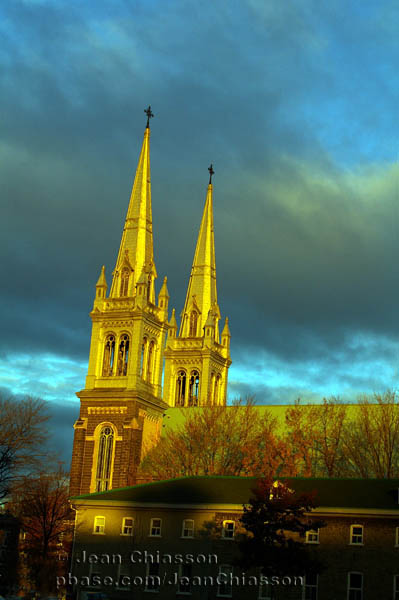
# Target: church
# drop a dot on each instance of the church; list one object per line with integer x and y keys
{"x": 135, "y": 346}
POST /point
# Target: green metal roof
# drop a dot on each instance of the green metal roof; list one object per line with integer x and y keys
{"x": 337, "y": 493}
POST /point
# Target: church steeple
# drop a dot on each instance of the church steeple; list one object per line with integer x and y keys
{"x": 136, "y": 253}
{"x": 121, "y": 405}
{"x": 201, "y": 292}
{"x": 196, "y": 369}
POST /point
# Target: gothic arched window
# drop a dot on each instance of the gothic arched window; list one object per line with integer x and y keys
{"x": 193, "y": 324}
{"x": 193, "y": 393}
{"x": 150, "y": 364}
{"x": 217, "y": 390}
{"x": 143, "y": 357}
{"x": 109, "y": 355}
{"x": 124, "y": 289}
{"x": 212, "y": 390}
{"x": 104, "y": 459}
{"x": 149, "y": 287}
{"x": 180, "y": 388}
{"x": 123, "y": 355}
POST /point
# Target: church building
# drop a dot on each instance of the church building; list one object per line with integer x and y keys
{"x": 135, "y": 346}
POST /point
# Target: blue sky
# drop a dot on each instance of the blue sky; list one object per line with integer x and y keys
{"x": 295, "y": 104}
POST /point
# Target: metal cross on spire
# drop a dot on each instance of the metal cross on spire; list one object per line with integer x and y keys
{"x": 149, "y": 114}
{"x": 211, "y": 172}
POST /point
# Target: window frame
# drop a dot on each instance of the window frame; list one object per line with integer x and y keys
{"x": 352, "y": 535}
{"x": 152, "y": 526}
{"x": 225, "y": 529}
{"x": 352, "y": 589}
{"x": 310, "y": 586}
{"x": 96, "y": 525}
{"x": 184, "y": 528}
{"x": 396, "y": 537}
{"x": 151, "y": 565}
{"x": 179, "y": 591}
{"x": 125, "y": 526}
{"x": 229, "y": 571}
{"x": 314, "y": 532}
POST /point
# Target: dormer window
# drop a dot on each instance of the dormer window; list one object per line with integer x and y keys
{"x": 124, "y": 289}
{"x": 193, "y": 323}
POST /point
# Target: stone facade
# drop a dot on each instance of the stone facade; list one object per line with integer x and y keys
{"x": 373, "y": 558}
{"x": 123, "y": 402}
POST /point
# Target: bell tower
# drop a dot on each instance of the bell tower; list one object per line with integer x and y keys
{"x": 197, "y": 359}
{"x": 121, "y": 405}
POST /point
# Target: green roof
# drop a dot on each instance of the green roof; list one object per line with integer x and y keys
{"x": 337, "y": 493}
{"x": 175, "y": 415}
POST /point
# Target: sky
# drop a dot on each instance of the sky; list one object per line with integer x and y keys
{"x": 296, "y": 105}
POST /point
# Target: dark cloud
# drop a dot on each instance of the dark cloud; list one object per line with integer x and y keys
{"x": 291, "y": 104}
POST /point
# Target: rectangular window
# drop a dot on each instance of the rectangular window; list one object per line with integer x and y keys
{"x": 355, "y": 586}
{"x": 312, "y": 536}
{"x": 127, "y": 526}
{"x": 396, "y": 587}
{"x": 356, "y": 535}
{"x": 184, "y": 584}
{"x": 224, "y": 581}
{"x": 99, "y": 525}
{"x": 310, "y": 586}
{"x": 155, "y": 528}
{"x": 188, "y": 528}
{"x": 228, "y": 530}
{"x": 152, "y": 579}
{"x": 123, "y": 577}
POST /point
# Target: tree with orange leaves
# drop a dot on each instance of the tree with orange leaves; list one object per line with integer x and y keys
{"x": 218, "y": 440}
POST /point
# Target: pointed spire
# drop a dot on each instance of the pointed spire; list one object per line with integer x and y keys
{"x": 201, "y": 292}
{"x": 101, "y": 285}
{"x": 226, "y": 329}
{"x": 136, "y": 244}
{"x": 102, "y": 282}
{"x": 172, "y": 325}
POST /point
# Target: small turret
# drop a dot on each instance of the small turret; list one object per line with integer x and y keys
{"x": 101, "y": 285}
{"x": 209, "y": 327}
{"x": 226, "y": 335}
{"x": 163, "y": 298}
{"x": 172, "y": 325}
{"x": 141, "y": 290}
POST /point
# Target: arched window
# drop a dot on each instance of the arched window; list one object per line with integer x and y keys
{"x": 124, "y": 289}
{"x": 216, "y": 395}
{"x": 193, "y": 324}
{"x": 104, "y": 459}
{"x": 109, "y": 355}
{"x": 212, "y": 390}
{"x": 149, "y": 287}
{"x": 150, "y": 364}
{"x": 180, "y": 388}
{"x": 143, "y": 357}
{"x": 123, "y": 355}
{"x": 193, "y": 389}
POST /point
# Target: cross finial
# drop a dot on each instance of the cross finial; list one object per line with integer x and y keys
{"x": 149, "y": 114}
{"x": 211, "y": 172}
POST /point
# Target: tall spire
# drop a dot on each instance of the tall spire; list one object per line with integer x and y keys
{"x": 201, "y": 293}
{"x": 136, "y": 249}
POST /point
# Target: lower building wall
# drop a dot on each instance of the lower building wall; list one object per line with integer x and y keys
{"x": 110, "y": 555}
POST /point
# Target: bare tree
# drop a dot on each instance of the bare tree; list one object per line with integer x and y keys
{"x": 22, "y": 434}
{"x": 46, "y": 518}
{"x": 371, "y": 438}
{"x": 218, "y": 440}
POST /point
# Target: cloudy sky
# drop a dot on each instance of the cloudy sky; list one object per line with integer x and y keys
{"x": 296, "y": 105}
